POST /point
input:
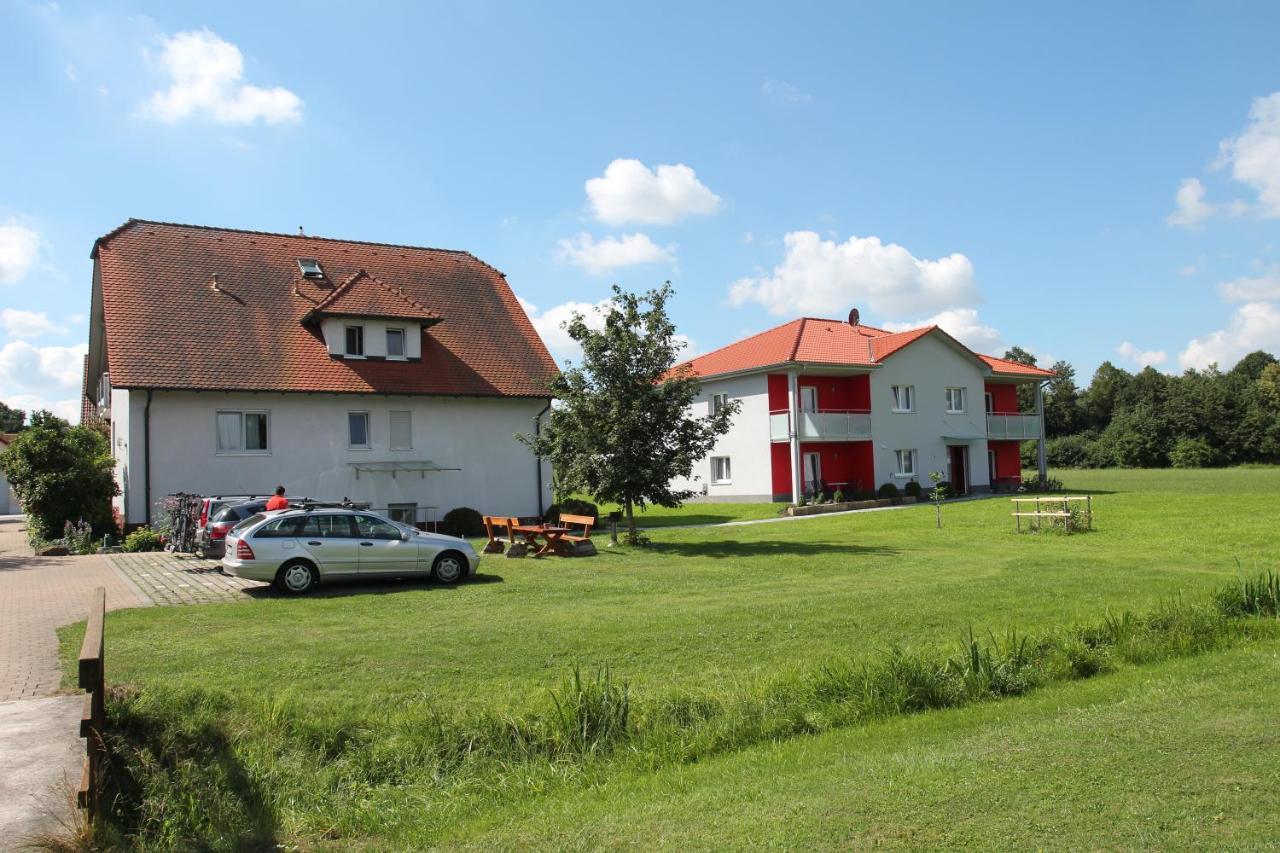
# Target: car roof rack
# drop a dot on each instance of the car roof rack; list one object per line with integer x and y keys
{"x": 310, "y": 505}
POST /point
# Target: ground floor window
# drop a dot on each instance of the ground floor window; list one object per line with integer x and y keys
{"x": 403, "y": 513}
{"x": 720, "y": 470}
{"x": 906, "y": 463}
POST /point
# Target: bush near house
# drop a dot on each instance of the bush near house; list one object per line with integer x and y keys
{"x": 572, "y": 506}
{"x": 462, "y": 521}
{"x": 61, "y": 474}
{"x": 889, "y": 490}
{"x": 913, "y": 490}
{"x": 143, "y": 539}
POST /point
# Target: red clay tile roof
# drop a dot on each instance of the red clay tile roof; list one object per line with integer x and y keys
{"x": 362, "y": 295}
{"x": 811, "y": 340}
{"x": 1004, "y": 367}
{"x": 168, "y": 327}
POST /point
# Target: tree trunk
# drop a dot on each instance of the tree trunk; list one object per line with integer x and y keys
{"x": 632, "y": 538}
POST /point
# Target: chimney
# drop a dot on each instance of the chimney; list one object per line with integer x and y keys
{"x": 853, "y": 316}
{"x": 214, "y": 283}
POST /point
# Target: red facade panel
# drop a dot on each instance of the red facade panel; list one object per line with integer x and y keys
{"x": 777, "y": 392}
{"x": 1004, "y": 398}
{"x": 1008, "y": 460}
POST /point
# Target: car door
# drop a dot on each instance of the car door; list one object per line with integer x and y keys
{"x": 383, "y": 548}
{"x": 331, "y": 541}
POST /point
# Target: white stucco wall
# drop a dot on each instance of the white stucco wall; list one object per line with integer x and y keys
{"x": 746, "y": 444}
{"x": 309, "y": 451}
{"x": 334, "y": 330}
{"x": 931, "y": 365}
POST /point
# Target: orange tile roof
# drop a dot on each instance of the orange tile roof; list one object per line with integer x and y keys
{"x": 168, "y": 327}
{"x": 811, "y": 340}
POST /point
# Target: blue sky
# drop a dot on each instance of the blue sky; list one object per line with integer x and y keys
{"x": 1096, "y": 181}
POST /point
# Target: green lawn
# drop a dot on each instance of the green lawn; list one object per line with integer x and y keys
{"x": 696, "y": 513}
{"x": 718, "y": 611}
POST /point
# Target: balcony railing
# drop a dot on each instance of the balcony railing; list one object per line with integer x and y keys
{"x": 1013, "y": 426}
{"x": 822, "y": 426}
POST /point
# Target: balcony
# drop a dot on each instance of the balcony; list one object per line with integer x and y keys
{"x": 1013, "y": 426}
{"x": 822, "y": 426}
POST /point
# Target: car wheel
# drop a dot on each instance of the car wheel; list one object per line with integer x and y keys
{"x": 297, "y": 577}
{"x": 449, "y": 567}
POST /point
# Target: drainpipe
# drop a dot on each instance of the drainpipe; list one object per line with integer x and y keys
{"x": 1041, "y": 460}
{"x": 537, "y": 460}
{"x": 146, "y": 459}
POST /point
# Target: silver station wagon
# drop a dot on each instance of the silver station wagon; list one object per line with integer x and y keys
{"x": 296, "y": 549}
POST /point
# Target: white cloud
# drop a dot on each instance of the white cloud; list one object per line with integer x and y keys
{"x": 34, "y": 378}
{"x": 1265, "y": 286}
{"x": 631, "y": 192}
{"x": 549, "y": 325}
{"x": 1191, "y": 209}
{"x": 1140, "y": 357}
{"x": 963, "y": 325}
{"x": 1254, "y": 155}
{"x": 28, "y": 324}
{"x": 19, "y": 249}
{"x": 819, "y": 276}
{"x": 206, "y": 81}
{"x": 1254, "y": 326}
{"x": 600, "y": 256}
{"x": 781, "y": 90}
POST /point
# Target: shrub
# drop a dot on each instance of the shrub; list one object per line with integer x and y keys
{"x": 1192, "y": 453}
{"x": 462, "y": 521}
{"x": 912, "y": 490}
{"x": 942, "y": 489}
{"x": 78, "y": 537}
{"x": 142, "y": 539}
{"x": 1069, "y": 451}
{"x": 572, "y": 506}
{"x": 838, "y": 497}
{"x": 888, "y": 490}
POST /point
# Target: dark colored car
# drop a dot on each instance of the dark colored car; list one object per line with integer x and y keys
{"x": 211, "y": 504}
{"x": 212, "y": 539}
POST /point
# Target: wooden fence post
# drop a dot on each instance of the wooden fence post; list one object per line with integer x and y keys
{"x": 94, "y": 718}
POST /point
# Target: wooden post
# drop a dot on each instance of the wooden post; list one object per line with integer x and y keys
{"x": 94, "y": 719}
{"x": 1088, "y": 508}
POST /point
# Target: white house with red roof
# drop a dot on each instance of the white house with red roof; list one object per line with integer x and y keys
{"x": 833, "y": 406}
{"x": 227, "y": 361}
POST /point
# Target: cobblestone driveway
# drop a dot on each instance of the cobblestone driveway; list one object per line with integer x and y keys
{"x": 181, "y": 578}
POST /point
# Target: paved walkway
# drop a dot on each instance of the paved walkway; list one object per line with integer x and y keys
{"x": 180, "y": 578}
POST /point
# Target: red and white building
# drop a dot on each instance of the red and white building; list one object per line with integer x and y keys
{"x": 828, "y": 405}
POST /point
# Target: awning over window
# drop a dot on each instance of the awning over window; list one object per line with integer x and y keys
{"x": 394, "y": 466}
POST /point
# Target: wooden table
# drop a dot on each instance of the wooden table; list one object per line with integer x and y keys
{"x": 550, "y": 533}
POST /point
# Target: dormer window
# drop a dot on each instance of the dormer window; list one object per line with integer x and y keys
{"x": 310, "y": 268}
{"x": 395, "y": 343}
{"x": 355, "y": 341}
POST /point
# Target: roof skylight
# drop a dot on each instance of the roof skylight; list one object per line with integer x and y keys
{"x": 310, "y": 268}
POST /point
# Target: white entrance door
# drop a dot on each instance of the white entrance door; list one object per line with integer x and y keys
{"x": 812, "y": 473}
{"x": 808, "y": 398}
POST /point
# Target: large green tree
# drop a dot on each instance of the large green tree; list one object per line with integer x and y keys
{"x": 622, "y": 428}
{"x": 1026, "y": 390}
{"x": 1062, "y": 411}
{"x": 11, "y": 420}
{"x": 61, "y": 473}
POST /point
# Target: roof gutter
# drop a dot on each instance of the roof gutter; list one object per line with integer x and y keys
{"x": 853, "y": 369}
{"x": 537, "y": 460}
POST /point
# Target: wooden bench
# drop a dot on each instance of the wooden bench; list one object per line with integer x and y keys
{"x": 578, "y": 544}
{"x": 492, "y": 523}
{"x": 1059, "y": 510}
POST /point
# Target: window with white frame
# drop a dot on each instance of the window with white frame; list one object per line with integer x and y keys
{"x": 718, "y": 403}
{"x": 358, "y": 430}
{"x": 904, "y": 398}
{"x": 395, "y": 343}
{"x": 906, "y": 463}
{"x": 401, "y": 430}
{"x": 955, "y": 401}
{"x": 242, "y": 432}
{"x": 355, "y": 341}
{"x": 991, "y": 404}
{"x": 720, "y": 470}
{"x": 403, "y": 513}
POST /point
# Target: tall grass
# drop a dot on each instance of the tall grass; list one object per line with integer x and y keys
{"x": 201, "y": 769}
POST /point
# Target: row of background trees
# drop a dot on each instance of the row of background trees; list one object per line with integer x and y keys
{"x": 1151, "y": 419}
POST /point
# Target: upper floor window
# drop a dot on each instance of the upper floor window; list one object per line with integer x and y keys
{"x": 904, "y": 398}
{"x": 395, "y": 343}
{"x": 358, "y": 430}
{"x": 718, "y": 403}
{"x": 355, "y": 340}
{"x": 955, "y": 401}
{"x": 808, "y": 398}
{"x": 242, "y": 432}
{"x": 401, "y": 430}
{"x": 991, "y": 404}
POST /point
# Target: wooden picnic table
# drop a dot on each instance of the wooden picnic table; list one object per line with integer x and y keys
{"x": 551, "y": 533}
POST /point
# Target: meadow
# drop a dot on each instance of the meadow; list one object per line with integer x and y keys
{"x": 407, "y": 715}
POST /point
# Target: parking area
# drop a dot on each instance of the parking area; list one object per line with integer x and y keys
{"x": 169, "y": 579}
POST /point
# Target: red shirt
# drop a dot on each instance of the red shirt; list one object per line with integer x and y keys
{"x": 278, "y": 502}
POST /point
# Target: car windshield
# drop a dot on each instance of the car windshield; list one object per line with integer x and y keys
{"x": 248, "y": 522}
